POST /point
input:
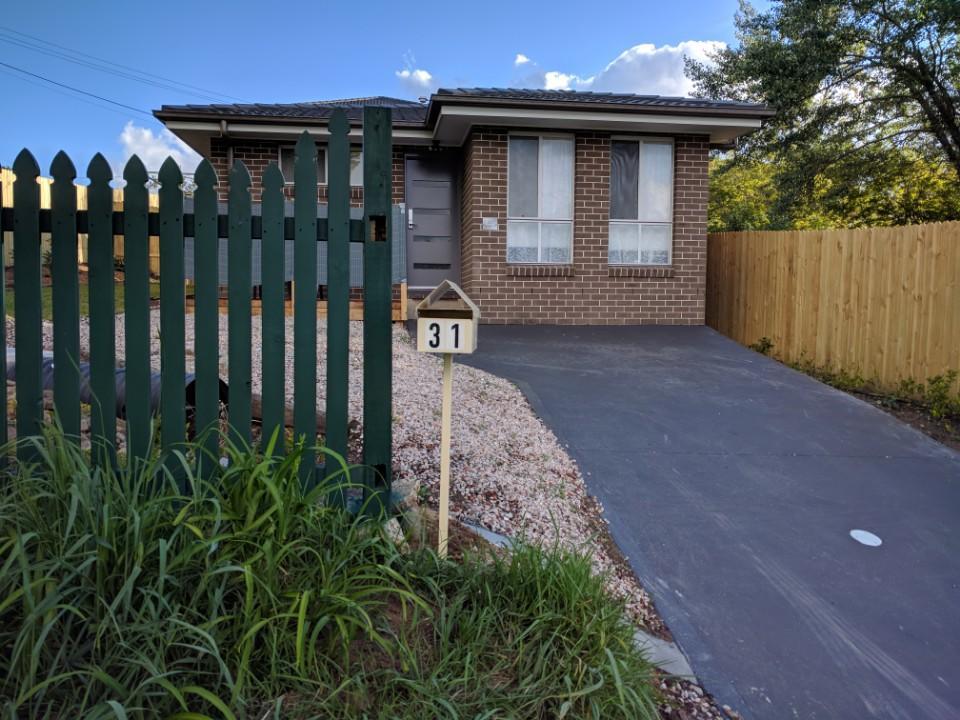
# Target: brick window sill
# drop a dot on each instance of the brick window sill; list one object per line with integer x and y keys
{"x": 640, "y": 271}
{"x": 540, "y": 271}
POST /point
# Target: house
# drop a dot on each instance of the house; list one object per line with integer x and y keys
{"x": 546, "y": 206}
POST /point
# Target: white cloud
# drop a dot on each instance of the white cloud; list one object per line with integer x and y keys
{"x": 153, "y": 148}
{"x": 415, "y": 80}
{"x": 521, "y": 59}
{"x": 553, "y": 80}
{"x": 652, "y": 70}
{"x": 644, "y": 69}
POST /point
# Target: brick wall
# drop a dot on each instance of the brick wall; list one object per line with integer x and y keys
{"x": 588, "y": 291}
{"x": 258, "y": 154}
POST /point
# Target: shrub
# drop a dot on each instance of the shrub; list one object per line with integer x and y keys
{"x": 938, "y": 397}
{"x": 152, "y": 594}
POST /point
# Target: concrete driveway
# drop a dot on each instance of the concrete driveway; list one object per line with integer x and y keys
{"x": 732, "y": 483}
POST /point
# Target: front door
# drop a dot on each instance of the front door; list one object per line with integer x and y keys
{"x": 433, "y": 228}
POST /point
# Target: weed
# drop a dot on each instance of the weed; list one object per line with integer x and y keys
{"x": 763, "y": 346}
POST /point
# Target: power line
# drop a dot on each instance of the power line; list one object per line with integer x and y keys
{"x": 66, "y": 93}
{"x": 76, "y": 90}
{"x": 111, "y": 71}
{"x": 203, "y": 92}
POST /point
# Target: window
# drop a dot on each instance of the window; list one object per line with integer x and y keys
{"x": 356, "y": 165}
{"x": 286, "y": 164}
{"x": 641, "y": 202}
{"x": 540, "y": 199}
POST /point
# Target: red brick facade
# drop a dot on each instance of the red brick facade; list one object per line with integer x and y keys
{"x": 258, "y": 154}
{"x": 589, "y": 290}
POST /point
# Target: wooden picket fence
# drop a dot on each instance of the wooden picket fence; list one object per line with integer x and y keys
{"x": 165, "y": 218}
{"x": 46, "y": 183}
{"x": 881, "y": 302}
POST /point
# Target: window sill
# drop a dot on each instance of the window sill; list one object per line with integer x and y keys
{"x": 540, "y": 270}
{"x": 640, "y": 271}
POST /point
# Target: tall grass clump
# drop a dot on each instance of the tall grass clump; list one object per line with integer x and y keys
{"x": 120, "y": 591}
{"x": 155, "y": 593}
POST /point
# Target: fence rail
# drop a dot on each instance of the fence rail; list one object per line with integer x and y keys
{"x": 883, "y": 302}
{"x": 143, "y": 216}
{"x": 153, "y": 224}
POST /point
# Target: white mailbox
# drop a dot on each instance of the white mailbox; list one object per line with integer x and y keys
{"x": 445, "y": 324}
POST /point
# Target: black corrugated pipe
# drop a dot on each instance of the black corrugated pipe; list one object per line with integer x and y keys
{"x": 86, "y": 395}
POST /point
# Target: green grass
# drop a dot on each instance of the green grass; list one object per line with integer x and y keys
{"x": 46, "y": 299}
{"x": 123, "y": 596}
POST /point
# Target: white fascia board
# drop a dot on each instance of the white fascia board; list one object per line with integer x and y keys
{"x": 400, "y": 135}
{"x": 454, "y": 123}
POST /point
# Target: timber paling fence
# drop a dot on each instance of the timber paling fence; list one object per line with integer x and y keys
{"x": 881, "y": 302}
{"x": 136, "y": 223}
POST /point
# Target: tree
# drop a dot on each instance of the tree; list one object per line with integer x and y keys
{"x": 894, "y": 188}
{"x": 861, "y": 88}
{"x": 742, "y": 196}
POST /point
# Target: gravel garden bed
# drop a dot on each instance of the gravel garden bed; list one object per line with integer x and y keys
{"x": 509, "y": 473}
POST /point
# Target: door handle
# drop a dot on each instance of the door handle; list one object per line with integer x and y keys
{"x": 410, "y": 222}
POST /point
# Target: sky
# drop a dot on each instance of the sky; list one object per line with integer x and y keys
{"x": 138, "y": 56}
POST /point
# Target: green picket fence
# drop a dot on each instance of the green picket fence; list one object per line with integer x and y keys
{"x": 136, "y": 223}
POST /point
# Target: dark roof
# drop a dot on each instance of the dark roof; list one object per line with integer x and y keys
{"x": 597, "y": 98}
{"x": 404, "y": 111}
{"x": 409, "y": 112}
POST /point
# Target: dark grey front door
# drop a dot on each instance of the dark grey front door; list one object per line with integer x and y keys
{"x": 433, "y": 232}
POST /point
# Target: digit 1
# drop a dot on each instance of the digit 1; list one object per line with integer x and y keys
{"x": 456, "y": 334}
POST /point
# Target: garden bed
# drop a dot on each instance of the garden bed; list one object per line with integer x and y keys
{"x": 509, "y": 474}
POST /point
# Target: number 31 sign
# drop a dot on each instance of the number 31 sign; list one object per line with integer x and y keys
{"x": 446, "y": 325}
{"x": 446, "y": 335}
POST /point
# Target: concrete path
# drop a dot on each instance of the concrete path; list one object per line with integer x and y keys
{"x": 732, "y": 483}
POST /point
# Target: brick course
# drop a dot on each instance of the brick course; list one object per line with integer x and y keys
{"x": 589, "y": 290}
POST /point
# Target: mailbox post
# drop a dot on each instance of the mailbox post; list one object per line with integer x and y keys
{"x": 447, "y": 326}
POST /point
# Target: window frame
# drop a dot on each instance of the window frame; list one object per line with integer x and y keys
{"x": 293, "y": 148}
{"x": 359, "y": 148}
{"x": 326, "y": 166}
{"x": 540, "y": 220}
{"x": 640, "y": 222}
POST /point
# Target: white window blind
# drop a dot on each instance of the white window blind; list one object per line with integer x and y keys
{"x": 356, "y": 167}
{"x": 540, "y": 199}
{"x": 641, "y": 202}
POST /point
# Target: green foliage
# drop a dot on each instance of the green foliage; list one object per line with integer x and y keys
{"x": 897, "y": 187}
{"x": 742, "y": 195}
{"x": 867, "y": 129}
{"x": 842, "y": 379}
{"x": 763, "y": 346}
{"x": 122, "y": 595}
{"x": 936, "y": 395}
